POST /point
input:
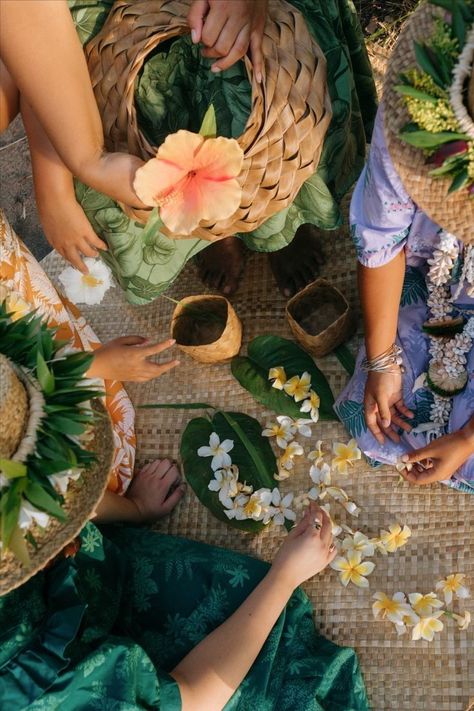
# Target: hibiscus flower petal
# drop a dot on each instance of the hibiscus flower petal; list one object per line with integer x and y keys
{"x": 219, "y": 159}
{"x": 154, "y": 180}
{"x": 181, "y": 150}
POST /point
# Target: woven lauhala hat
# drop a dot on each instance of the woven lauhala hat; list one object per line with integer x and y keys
{"x": 291, "y": 109}
{"x": 24, "y": 412}
{"x": 454, "y": 212}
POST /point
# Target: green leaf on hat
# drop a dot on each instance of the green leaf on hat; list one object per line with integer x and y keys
{"x": 44, "y": 375}
{"x": 408, "y": 90}
{"x": 10, "y": 505}
{"x": 426, "y": 139}
{"x": 40, "y": 498}
{"x": 12, "y": 469}
{"x": 460, "y": 181}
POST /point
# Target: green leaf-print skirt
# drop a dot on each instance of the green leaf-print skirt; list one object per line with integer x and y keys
{"x": 102, "y": 631}
{"x": 174, "y": 91}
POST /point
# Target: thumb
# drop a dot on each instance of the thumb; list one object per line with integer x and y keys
{"x": 196, "y": 15}
{"x": 418, "y": 455}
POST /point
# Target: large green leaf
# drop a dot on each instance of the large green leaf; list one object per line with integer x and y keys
{"x": 252, "y": 453}
{"x": 266, "y": 352}
{"x": 10, "y": 505}
{"x": 40, "y": 498}
{"x": 424, "y": 139}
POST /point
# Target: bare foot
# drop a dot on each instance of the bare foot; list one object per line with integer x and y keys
{"x": 221, "y": 264}
{"x": 156, "y": 489}
{"x": 298, "y": 264}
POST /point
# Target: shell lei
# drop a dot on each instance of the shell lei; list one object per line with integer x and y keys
{"x": 448, "y": 354}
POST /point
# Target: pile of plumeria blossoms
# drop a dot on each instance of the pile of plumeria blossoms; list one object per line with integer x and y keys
{"x": 423, "y": 613}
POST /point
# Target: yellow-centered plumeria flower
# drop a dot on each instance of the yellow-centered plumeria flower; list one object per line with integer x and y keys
{"x": 16, "y": 306}
{"x": 316, "y": 455}
{"x": 424, "y": 605}
{"x": 409, "y": 619}
{"x": 284, "y": 430}
{"x": 395, "y": 537}
{"x": 312, "y": 405}
{"x": 87, "y": 288}
{"x": 462, "y": 621}
{"x": 298, "y": 388}
{"x": 426, "y": 627}
{"x": 346, "y": 454}
{"x": 278, "y": 376}
{"x": 352, "y": 570}
{"x": 393, "y": 608}
{"x": 286, "y": 461}
{"x": 359, "y": 543}
{"x": 250, "y": 507}
{"x": 219, "y": 451}
{"x": 453, "y": 585}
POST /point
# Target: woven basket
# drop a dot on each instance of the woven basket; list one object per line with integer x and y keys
{"x": 13, "y": 409}
{"x": 314, "y": 300}
{"x": 226, "y": 346}
{"x": 455, "y": 212}
{"x": 290, "y": 113}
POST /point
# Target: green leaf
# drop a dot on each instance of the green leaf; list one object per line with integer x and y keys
{"x": 345, "y": 358}
{"x": 407, "y": 90}
{"x": 12, "y": 469}
{"x": 425, "y": 139}
{"x": 18, "y": 547}
{"x": 10, "y": 505}
{"x": 44, "y": 375}
{"x": 65, "y": 425}
{"x": 426, "y": 64}
{"x": 40, "y": 498}
{"x": 266, "y": 352}
{"x": 459, "y": 181}
{"x": 209, "y": 124}
{"x": 252, "y": 453}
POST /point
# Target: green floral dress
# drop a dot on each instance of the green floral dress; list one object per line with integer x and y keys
{"x": 104, "y": 629}
{"x": 174, "y": 91}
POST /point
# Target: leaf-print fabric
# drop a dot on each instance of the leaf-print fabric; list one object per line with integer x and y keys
{"x": 132, "y": 607}
{"x": 174, "y": 91}
{"x": 384, "y": 220}
{"x": 20, "y": 270}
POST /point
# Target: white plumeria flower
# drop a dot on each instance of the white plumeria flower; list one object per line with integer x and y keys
{"x": 303, "y": 427}
{"x": 87, "y": 288}
{"x": 226, "y": 483}
{"x": 29, "y": 515}
{"x": 250, "y": 507}
{"x": 409, "y": 619}
{"x": 282, "y": 474}
{"x": 320, "y": 475}
{"x": 390, "y": 608}
{"x": 283, "y": 430}
{"x": 463, "y": 621}
{"x": 301, "y": 501}
{"x": 424, "y": 605}
{"x": 346, "y": 454}
{"x": 426, "y": 627}
{"x": 359, "y": 542}
{"x": 336, "y": 529}
{"x": 298, "y": 387}
{"x": 351, "y": 508}
{"x": 218, "y": 451}
{"x": 311, "y": 405}
{"x": 279, "y": 509}
{"x": 244, "y": 488}
{"x": 61, "y": 480}
{"x": 286, "y": 460}
{"x": 316, "y": 455}
{"x": 453, "y": 584}
{"x": 352, "y": 570}
{"x": 395, "y": 537}
{"x": 278, "y": 376}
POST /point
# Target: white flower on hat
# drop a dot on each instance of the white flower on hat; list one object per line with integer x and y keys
{"x": 29, "y": 515}
{"x": 87, "y": 288}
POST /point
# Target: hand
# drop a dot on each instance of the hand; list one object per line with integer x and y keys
{"x": 306, "y": 550}
{"x": 68, "y": 230}
{"x": 228, "y": 28}
{"x": 384, "y": 405}
{"x": 439, "y": 460}
{"x": 127, "y": 358}
{"x": 156, "y": 489}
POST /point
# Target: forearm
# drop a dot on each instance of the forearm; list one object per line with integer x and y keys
{"x": 380, "y": 290}
{"x": 212, "y": 671}
{"x": 467, "y": 433}
{"x": 114, "y": 508}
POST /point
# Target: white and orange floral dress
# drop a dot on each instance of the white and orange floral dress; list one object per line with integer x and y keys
{"x": 20, "y": 271}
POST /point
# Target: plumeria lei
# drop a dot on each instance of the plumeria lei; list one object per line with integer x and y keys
{"x": 422, "y": 613}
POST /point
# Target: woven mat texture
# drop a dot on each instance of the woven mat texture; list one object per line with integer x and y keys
{"x": 400, "y": 675}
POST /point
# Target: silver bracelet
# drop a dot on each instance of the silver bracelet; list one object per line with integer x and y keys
{"x": 385, "y": 362}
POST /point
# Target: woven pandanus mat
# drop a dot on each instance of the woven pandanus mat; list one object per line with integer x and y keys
{"x": 400, "y": 675}
{"x": 290, "y": 113}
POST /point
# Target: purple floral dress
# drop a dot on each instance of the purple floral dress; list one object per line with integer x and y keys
{"x": 384, "y": 220}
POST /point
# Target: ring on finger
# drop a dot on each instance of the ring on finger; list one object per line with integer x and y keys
{"x": 332, "y": 548}
{"x": 317, "y": 524}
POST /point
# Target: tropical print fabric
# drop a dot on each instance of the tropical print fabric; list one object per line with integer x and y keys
{"x": 103, "y": 630}
{"x": 175, "y": 89}
{"x": 21, "y": 272}
{"x": 384, "y": 221}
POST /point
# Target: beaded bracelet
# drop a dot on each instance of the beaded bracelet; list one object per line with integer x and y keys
{"x": 385, "y": 361}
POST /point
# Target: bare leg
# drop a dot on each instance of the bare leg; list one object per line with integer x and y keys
{"x": 42, "y": 52}
{"x": 298, "y": 264}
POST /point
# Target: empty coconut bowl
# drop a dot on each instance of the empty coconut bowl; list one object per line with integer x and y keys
{"x": 207, "y": 328}
{"x": 320, "y": 318}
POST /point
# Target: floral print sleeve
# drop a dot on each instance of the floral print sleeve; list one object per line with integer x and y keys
{"x": 381, "y": 210}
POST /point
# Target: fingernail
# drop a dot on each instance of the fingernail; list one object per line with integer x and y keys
{"x": 172, "y": 341}
{"x": 259, "y": 77}
{"x": 385, "y": 423}
{"x": 194, "y": 36}
{"x": 215, "y": 69}
{"x": 405, "y": 458}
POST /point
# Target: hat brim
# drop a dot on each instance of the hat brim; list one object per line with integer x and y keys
{"x": 453, "y": 212}
{"x": 81, "y": 500}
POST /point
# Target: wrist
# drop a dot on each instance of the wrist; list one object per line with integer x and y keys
{"x": 282, "y": 579}
{"x": 467, "y": 436}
